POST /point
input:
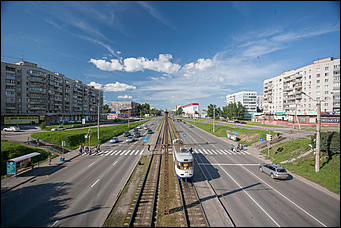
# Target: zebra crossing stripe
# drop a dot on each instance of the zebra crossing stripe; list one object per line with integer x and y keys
{"x": 141, "y": 152}
{"x": 228, "y": 152}
{"x": 219, "y": 151}
{"x": 200, "y": 151}
{"x": 136, "y": 152}
{"x": 132, "y": 152}
{"x": 214, "y": 152}
{"x": 120, "y": 152}
{"x": 207, "y": 152}
{"x": 223, "y": 151}
{"x": 195, "y": 151}
{"x": 116, "y": 151}
{"x": 126, "y": 152}
{"x": 111, "y": 152}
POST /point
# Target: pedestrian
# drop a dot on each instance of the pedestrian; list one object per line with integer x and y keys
{"x": 86, "y": 149}
{"x": 80, "y": 149}
{"x": 148, "y": 147}
{"x": 50, "y": 159}
{"x": 232, "y": 147}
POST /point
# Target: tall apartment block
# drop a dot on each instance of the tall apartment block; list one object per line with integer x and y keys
{"x": 27, "y": 89}
{"x": 125, "y": 108}
{"x": 320, "y": 81}
{"x": 247, "y": 99}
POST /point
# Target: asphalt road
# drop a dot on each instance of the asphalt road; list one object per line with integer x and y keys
{"x": 252, "y": 198}
{"x": 79, "y": 193}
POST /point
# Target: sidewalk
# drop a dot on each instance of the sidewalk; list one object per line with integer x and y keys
{"x": 11, "y": 182}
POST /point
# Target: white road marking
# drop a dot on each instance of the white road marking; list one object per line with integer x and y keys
{"x": 91, "y": 164}
{"x": 228, "y": 152}
{"x": 94, "y": 183}
{"x": 141, "y": 152}
{"x": 223, "y": 151}
{"x": 225, "y": 164}
{"x": 250, "y": 197}
{"x": 287, "y": 198}
{"x": 132, "y": 152}
{"x": 120, "y": 152}
{"x": 114, "y": 163}
{"x": 54, "y": 223}
{"x": 213, "y": 152}
{"x": 136, "y": 152}
{"x": 126, "y": 152}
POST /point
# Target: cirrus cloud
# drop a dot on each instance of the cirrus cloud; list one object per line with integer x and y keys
{"x": 124, "y": 97}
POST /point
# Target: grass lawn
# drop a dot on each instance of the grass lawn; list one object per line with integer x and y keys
{"x": 11, "y": 150}
{"x": 329, "y": 174}
{"x": 74, "y": 138}
{"x": 246, "y": 136}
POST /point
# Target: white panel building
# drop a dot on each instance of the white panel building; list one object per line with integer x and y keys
{"x": 247, "y": 99}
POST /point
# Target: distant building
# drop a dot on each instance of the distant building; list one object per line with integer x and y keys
{"x": 124, "y": 109}
{"x": 247, "y": 99}
{"x": 191, "y": 110}
{"x": 259, "y": 101}
{"x": 33, "y": 94}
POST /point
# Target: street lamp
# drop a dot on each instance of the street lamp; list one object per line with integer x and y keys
{"x": 213, "y": 117}
{"x": 318, "y": 133}
{"x": 98, "y": 121}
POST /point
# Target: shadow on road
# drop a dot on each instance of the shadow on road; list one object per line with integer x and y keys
{"x": 42, "y": 171}
{"x": 210, "y": 172}
{"x": 34, "y": 205}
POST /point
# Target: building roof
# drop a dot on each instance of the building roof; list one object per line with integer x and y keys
{"x": 192, "y": 104}
{"x": 21, "y": 158}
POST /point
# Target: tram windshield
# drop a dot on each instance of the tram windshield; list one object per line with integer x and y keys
{"x": 184, "y": 165}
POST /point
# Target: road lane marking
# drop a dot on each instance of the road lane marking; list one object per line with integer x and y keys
{"x": 287, "y": 198}
{"x": 94, "y": 183}
{"x": 250, "y": 197}
{"x": 91, "y": 164}
{"x": 214, "y": 152}
{"x": 228, "y": 152}
{"x": 54, "y": 223}
{"x": 136, "y": 152}
{"x": 114, "y": 163}
{"x": 141, "y": 152}
{"x": 132, "y": 152}
{"x": 127, "y": 152}
{"x": 223, "y": 151}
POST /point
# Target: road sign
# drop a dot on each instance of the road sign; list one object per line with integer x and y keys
{"x": 145, "y": 140}
{"x": 260, "y": 139}
{"x": 89, "y": 131}
{"x": 184, "y": 134}
{"x": 11, "y": 167}
{"x": 63, "y": 143}
{"x": 86, "y": 136}
{"x": 236, "y": 134}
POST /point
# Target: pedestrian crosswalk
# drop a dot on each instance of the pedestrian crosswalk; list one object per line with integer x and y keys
{"x": 195, "y": 151}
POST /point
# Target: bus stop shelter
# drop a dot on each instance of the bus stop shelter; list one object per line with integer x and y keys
{"x": 16, "y": 163}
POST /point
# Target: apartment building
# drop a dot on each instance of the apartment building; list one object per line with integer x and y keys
{"x": 259, "y": 101}
{"x": 124, "y": 108}
{"x": 320, "y": 81}
{"x": 27, "y": 89}
{"x": 247, "y": 99}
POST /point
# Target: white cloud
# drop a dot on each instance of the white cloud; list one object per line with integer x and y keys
{"x": 162, "y": 64}
{"x": 124, "y": 97}
{"x": 96, "y": 85}
{"x": 102, "y": 64}
{"x": 117, "y": 87}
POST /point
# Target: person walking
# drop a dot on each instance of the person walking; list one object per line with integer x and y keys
{"x": 80, "y": 149}
{"x": 50, "y": 159}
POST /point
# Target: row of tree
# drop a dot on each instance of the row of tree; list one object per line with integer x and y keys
{"x": 140, "y": 110}
{"x": 231, "y": 111}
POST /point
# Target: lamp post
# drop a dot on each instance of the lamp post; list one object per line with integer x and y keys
{"x": 213, "y": 117}
{"x": 98, "y": 121}
{"x": 318, "y": 133}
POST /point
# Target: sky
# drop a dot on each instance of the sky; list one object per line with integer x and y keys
{"x": 170, "y": 53}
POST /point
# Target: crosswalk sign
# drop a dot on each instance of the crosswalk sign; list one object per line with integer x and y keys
{"x": 145, "y": 140}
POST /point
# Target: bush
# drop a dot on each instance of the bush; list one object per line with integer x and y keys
{"x": 43, "y": 125}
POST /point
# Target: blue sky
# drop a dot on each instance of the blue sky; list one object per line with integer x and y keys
{"x": 170, "y": 53}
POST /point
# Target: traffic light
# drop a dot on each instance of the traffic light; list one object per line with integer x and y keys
{"x": 268, "y": 137}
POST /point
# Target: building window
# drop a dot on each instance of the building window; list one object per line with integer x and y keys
{"x": 325, "y": 92}
{"x": 317, "y": 75}
{"x": 326, "y": 86}
{"x": 318, "y": 69}
{"x": 325, "y": 80}
{"x": 326, "y": 74}
{"x": 317, "y": 81}
{"x": 325, "y": 104}
{"x": 309, "y": 76}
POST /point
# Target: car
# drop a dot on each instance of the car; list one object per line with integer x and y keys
{"x": 137, "y": 134}
{"x": 138, "y": 127}
{"x": 114, "y": 140}
{"x": 149, "y": 131}
{"x": 130, "y": 139}
{"x": 275, "y": 171}
{"x": 12, "y": 128}
{"x": 60, "y": 128}
{"x": 126, "y": 134}
{"x": 145, "y": 127}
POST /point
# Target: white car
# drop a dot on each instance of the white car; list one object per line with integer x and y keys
{"x": 60, "y": 128}
{"x": 11, "y": 128}
{"x": 114, "y": 140}
{"x": 130, "y": 139}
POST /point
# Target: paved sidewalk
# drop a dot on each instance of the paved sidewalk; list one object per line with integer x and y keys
{"x": 11, "y": 182}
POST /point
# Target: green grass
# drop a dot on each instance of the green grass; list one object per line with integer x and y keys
{"x": 11, "y": 150}
{"x": 246, "y": 136}
{"x": 329, "y": 174}
{"x": 74, "y": 138}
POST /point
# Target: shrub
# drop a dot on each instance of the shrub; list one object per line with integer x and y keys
{"x": 43, "y": 125}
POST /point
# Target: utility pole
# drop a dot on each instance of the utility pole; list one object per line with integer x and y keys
{"x": 213, "y": 117}
{"x": 98, "y": 121}
{"x": 318, "y": 137}
{"x": 318, "y": 133}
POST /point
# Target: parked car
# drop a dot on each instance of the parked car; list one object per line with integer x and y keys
{"x": 130, "y": 139}
{"x": 60, "y": 128}
{"x": 149, "y": 131}
{"x": 114, "y": 140}
{"x": 12, "y": 128}
{"x": 275, "y": 171}
{"x": 126, "y": 134}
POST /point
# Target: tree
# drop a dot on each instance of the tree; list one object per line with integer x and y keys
{"x": 240, "y": 111}
{"x": 106, "y": 108}
{"x": 210, "y": 110}
{"x": 179, "y": 112}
